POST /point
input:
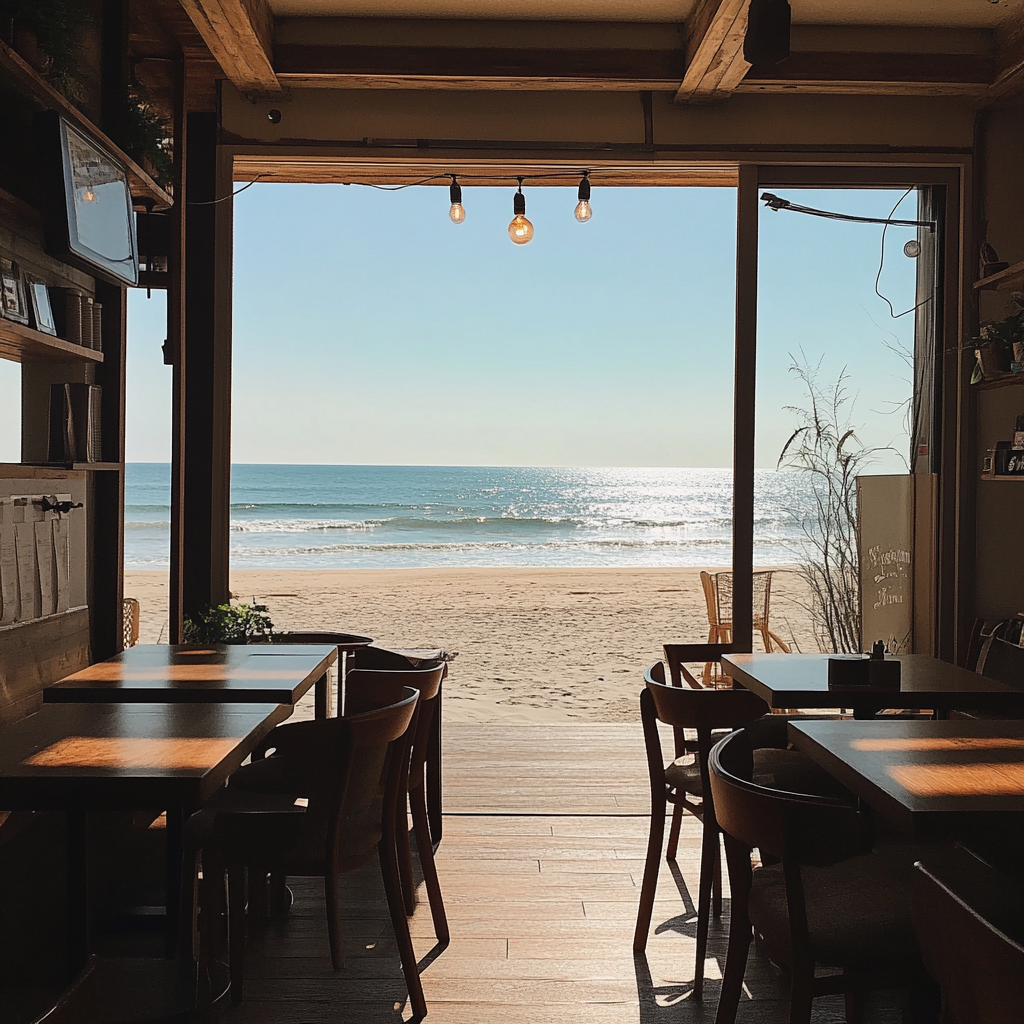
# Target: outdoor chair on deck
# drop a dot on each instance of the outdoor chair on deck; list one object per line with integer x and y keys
{"x": 427, "y": 680}
{"x": 350, "y": 770}
{"x": 718, "y": 597}
{"x": 968, "y": 918}
{"x": 822, "y": 898}
{"x": 347, "y": 644}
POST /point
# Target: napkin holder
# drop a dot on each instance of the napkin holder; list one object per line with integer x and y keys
{"x": 875, "y": 671}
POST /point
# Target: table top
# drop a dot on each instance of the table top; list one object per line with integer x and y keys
{"x": 933, "y": 779}
{"x": 127, "y": 756}
{"x": 165, "y": 673}
{"x": 801, "y": 681}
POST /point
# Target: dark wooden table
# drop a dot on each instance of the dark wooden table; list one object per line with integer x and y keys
{"x": 932, "y": 779}
{"x": 82, "y": 757}
{"x": 190, "y": 673}
{"x": 801, "y": 681}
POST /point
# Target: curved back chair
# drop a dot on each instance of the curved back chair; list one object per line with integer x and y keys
{"x": 423, "y": 748}
{"x": 347, "y": 644}
{"x": 350, "y": 770}
{"x": 685, "y": 786}
{"x": 968, "y": 921}
{"x": 827, "y": 902}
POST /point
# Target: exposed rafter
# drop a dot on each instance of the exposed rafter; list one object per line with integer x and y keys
{"x": 714, "y": 50}
{"x": 240, "y": 35}
{"x": 464, "y": 67}
{"x": 874, "y": 74}
{"x": 1008, "y": 81}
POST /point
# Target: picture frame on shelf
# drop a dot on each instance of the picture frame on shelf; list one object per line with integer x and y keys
{"x": 39, "y": 300}
{"x": 13, "y": 301}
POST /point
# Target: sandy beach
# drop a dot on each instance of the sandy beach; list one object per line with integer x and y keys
{"x": 553, "y": 644}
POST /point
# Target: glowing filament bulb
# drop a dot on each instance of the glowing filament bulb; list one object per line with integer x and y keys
{"x": 583, "y": 212}
{"x": 520, "y": 230}
{"x": 457, "y": 212}
{"x": 88, "y": 196}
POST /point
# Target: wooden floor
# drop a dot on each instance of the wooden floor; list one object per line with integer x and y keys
{"x": 544, "y": 839}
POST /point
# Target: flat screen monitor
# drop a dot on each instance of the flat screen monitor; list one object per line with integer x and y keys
{"x": 90, "y": 221}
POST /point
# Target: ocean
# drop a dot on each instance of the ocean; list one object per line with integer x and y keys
{"x": 380, "y": 517}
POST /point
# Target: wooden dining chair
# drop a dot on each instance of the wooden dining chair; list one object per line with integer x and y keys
{"x": 969, "y": 921}
{"x": 683, "y": 783}
{"x": 826, "y": 900}
{"x": 349, "y": 769}
{"x": 428, "y": 680}
{"x": 130, "y": 621}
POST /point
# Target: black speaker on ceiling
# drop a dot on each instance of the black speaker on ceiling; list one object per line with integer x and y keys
{"x": 767, "y": 38}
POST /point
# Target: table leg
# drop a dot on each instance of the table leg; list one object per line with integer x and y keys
{"x": 175, "y": 863}
{"x": 78, "y": 887}
{"x": 433, "y": 766}
{"x": 322, "y": 691}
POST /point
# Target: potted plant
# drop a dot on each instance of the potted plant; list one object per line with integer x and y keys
{"x": 998, "y": 344}
{"x": 48, "y": 35}
{"x": 229, "y": 624}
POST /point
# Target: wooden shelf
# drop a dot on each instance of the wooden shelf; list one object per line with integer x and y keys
{"x": 143, "y": 187}
{"x": 23, "y": 344}
{"x": 1004, "y": 380}
{"x": 1005, "y": 280}
{"x": 81, "y": 467}
{"x": 1019, "y": 477}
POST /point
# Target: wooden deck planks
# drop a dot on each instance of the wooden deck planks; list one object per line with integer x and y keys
{"x": 541, "y": 892}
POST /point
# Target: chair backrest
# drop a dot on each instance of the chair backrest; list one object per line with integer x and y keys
{"x": 364, "y": 684}
{"x": 701, "y": 709}
{"x": 959, "y": 906}
{"x": 367, "y": 787}
{"x": 710, "y": 597}
{"x": 718, "y": 595}
{"x": 679, "y": 655}
{"x": 1004, "y": 661}
{"x": 805, "y": 828}
{"x": 130, "y": 621}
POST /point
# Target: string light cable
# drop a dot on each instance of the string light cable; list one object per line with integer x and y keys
{"x": 911, "y": 249}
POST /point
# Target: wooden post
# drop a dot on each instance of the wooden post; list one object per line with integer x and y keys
{"x": 205, "y": 372}
{"x": 743, "y": 410}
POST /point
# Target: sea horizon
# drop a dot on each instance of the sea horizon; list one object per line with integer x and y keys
{"x": 364, "y": 516}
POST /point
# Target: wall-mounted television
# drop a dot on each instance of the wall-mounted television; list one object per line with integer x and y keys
{"x": 88, "y": 203}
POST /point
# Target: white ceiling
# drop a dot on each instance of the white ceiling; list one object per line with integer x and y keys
{"x": 933, "y": 13}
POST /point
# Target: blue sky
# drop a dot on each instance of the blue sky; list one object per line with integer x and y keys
{"x": 369, "y": 329}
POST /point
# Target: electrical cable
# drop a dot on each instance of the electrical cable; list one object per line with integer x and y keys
{"x": 224, "y": 199}
{"x": 881, "y": 259}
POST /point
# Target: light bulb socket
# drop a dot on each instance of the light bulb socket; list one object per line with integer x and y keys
{"x": 519, "y": 204}
{"x": 584, "y": 191}
{"x": 455, "y": 191}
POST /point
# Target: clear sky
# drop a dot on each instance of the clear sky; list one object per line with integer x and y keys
{"x": 369, "y": 329}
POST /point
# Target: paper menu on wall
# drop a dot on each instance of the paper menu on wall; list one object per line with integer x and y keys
{"x": 61, "y": 562}
{"x": 28, "y": 571}
{"x": 11, "y": 606}
{"x": 45, "y": 562}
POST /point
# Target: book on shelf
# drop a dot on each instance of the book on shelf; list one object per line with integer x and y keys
{"x": 75, "y": 423}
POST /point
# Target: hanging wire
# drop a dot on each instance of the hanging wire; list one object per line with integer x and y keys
{"x": 881, "y": 258}
{"x": 224, "y": 199}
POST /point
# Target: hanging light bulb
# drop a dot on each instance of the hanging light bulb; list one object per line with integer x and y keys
{"x": 520, "y": 230}
{"x": 583, "y": 211}
{"x": 88, "y": 196}
{"x": 457, "y": 213}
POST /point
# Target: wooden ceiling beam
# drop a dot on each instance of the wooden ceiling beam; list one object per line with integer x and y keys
{"x": 1008, "y": 81}
{"x": 714, "y": 50}
{"x": 874, "y": 74}
{"x": 477, "y": 68}
{"x": 240, "y": 35}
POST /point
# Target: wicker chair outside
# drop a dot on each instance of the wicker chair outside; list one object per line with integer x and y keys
{"x": 130, "y": 621}
{"x": 718, "y": 596}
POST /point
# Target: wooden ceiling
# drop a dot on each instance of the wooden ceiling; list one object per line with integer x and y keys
{"x": 692, "y": 48}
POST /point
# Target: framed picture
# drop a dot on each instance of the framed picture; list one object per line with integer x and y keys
{"x": 13, "y": 304}
{"x": 39, "y": 300}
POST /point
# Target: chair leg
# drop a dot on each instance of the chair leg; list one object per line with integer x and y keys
{"x": 708, "y": 858}
{"x": 405, "y": 857}
{"x": 333, "y": 899}
{"x": 854, "y": 998}
{"x": 389, "y": 869}
{"x": 650, "y": 883}
{"x": 421, "y": 825}
{"x": 735, "y": 965}
{"x": 236, "y": 929}
{"x": 716, "y": 883}
{"x": 673, "y": 832}
{"x": 188, "y": 916}
{"x": 801, "y": 996}
{"x": 211, "y": 921}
